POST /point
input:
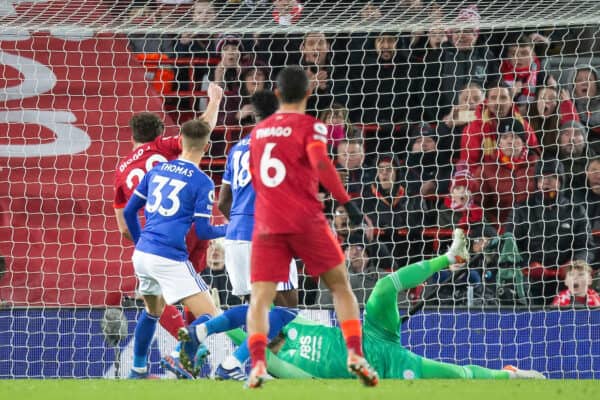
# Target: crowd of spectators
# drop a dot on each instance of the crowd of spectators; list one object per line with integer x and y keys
{"x": 430, "y": 130}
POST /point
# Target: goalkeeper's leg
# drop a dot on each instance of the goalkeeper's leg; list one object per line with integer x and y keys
{"x": 438, "y": 370}
{"x": 382, "y": 307}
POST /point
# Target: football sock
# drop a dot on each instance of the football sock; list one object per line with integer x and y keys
{"x": 257, "y": 344}
{"x": 352, "y": 331}
{"x": 242, "y": 353}
{"x": 171, "y": 319}
{"x": 144, "y": 332}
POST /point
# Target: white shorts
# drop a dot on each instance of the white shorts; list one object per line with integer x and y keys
{"x": 174, "y": 280}
{"x": 237, "y": 264}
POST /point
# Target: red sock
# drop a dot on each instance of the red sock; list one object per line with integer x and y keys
{"x": 352, "y": 331}
{"x": 171, "y": 320}
{"x": 189, "y": 316}
{"x": 257, "y": 344}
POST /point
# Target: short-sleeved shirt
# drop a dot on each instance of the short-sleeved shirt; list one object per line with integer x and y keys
{"x": 132, "y": 168}
{"x": 286, "y": 184}
{"x": 237, "y": 175}
{"x": 176, "y": 193}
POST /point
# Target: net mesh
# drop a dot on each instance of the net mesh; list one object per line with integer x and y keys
{"x": 419, "y": 99}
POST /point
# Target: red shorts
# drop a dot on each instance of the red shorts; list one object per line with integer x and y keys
{"x": 272, "y": 253}
{"x": 196, "y": 249}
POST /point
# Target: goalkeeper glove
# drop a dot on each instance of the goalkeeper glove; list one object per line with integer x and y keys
{"x": 354, "y": 214}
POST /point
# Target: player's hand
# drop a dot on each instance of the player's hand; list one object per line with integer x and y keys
{"x": 214, "y": 92}
{"x": 355, "y": 216}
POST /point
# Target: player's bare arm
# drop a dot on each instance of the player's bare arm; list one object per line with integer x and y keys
{"x": 225, "y": 199}
{"x": 122, "y": 224}
{"x": 215, "y": 95}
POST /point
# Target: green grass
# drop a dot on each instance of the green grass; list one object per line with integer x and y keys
{"x": 296, "y": 389}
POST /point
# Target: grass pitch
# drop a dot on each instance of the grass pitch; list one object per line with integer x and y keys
{"x": 84, "y": 389}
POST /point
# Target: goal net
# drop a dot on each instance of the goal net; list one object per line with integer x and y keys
{"x": 480, "y": 115}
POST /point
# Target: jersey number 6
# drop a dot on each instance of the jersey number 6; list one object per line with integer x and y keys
{"x": 268, "y": 163}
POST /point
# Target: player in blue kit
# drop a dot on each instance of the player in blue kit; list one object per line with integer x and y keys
{"x": 174, "y": 194}
{"x": 236, "y": 202}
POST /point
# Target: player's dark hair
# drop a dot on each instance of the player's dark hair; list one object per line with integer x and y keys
{"x": 146, "y": 127}
{"x": 265, "y": 103}
{"x": 292, "y": 83}
{"x": 195, "y": 129}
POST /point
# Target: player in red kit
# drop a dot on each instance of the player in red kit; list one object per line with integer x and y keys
{"x": 149, "y": 149}
{"x": 288, "y": 160}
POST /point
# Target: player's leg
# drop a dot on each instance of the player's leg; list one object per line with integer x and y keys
{"x": 287, "y": 292}
{"x": 145, "y": 328}
{"x": 270, "y": 260}
{"x": 324, "y": 258}
{"x": 172, "y": 320}
{"x": 237, "y": 264}
{"x": 431, "y": 369}
{"x": 382, "y": 309}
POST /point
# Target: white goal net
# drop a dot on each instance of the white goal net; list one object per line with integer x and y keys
{"x": 482, "y": 115}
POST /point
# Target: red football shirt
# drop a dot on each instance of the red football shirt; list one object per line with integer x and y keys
{"x": 286, "y": 184}
{"x": 132, "y": 168}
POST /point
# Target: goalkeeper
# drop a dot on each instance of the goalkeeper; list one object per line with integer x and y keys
{"x": 311, "y": 350}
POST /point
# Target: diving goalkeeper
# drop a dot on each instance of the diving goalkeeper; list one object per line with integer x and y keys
{"x": 312, "y": 350}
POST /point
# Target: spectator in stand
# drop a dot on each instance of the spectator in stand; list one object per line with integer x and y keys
{"x": 227, "y": 74}
{"x": 478, "y": 142}
{"x": 347, "y": 234}
{"x": 428, "y": 102}
{"x": 450, "y": 129}
{"x": 196, "y": 46}
{"x": 590, "y": 199}
{"x": 463, "y": 61}
{"x": 578, "y": 281}
{"x": 574, "y": 153}
{"x": 459, "y": 209}
{"x": 424, "y": 178}
{"x": 338, "y": 124}
{"x": 254, "y": 79}
{"x": 350, "y": 161}
{"x": 511, "y": 177}
{"x": 362, "y": 272}
{"x": 328, "y": 81}
{"x": 286, "y": 12}
{"x": 550, "y": 232}
{"x": 585, "y": 91}
{"x": 549, "y": 110}
{"x": 521, "y": 69}
{"x": 379, "y": 92}
{"x": 384, "y": 202}
{"x": 143, "y": 13}
{"x": 215, "y": 276}
{"x": 424, "y": 174}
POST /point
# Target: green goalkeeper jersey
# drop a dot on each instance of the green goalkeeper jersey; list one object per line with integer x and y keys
{"x": 321, "y": 351}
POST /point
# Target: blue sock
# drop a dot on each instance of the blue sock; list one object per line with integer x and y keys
{"x": 230, "y": 319}
{"x": 278, "y": 318}
{"x": 200, "y": 320}
{"x": 242, "y": 353}
{"x": 144, "y": 333}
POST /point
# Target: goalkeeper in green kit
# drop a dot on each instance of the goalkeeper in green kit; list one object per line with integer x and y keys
{"x": 312, "y": 350}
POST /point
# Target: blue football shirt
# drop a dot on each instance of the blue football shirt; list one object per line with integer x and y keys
{"x": 237, "y": 175}
{"x": 176, "y": 193}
